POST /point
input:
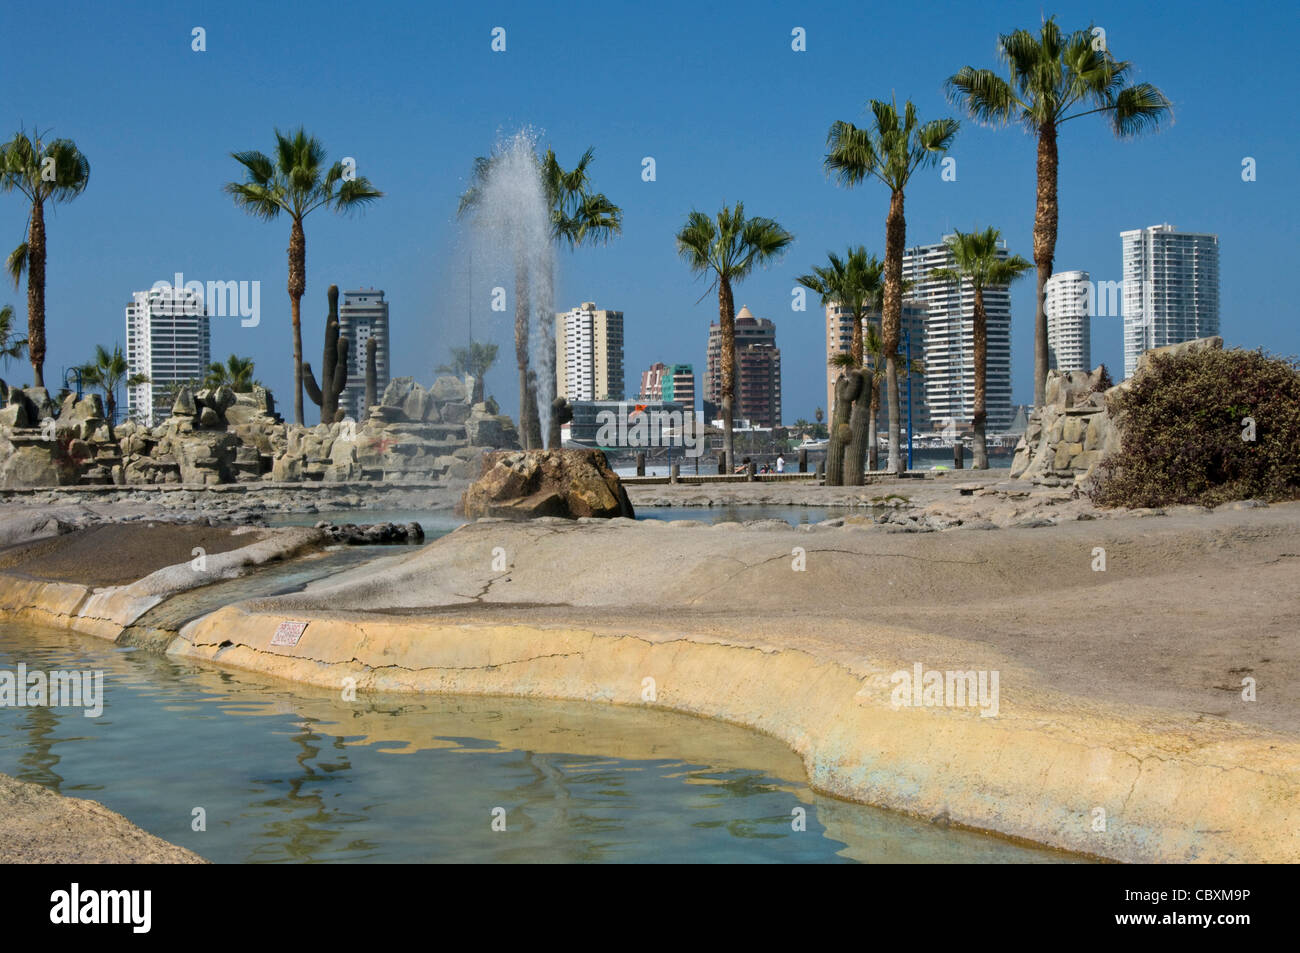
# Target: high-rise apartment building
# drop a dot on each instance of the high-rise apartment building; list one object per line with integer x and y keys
{"x": 758, "y": 372}
{"x": 589, "y": 354}
{"x": 839, "y": 340}
{"x": 168, "y": 340}
{"x": 669, "y": 382}
{"x": 652, "y": 382}
{"x": 679, "y": 386}
{"x": 1069, "y": 299}
{"x": 950, "y": 341}
{"x": 363, "y": 315}
{"x": 1171, "y": 289}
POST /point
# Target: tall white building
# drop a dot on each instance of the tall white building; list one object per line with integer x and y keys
{"x": 1171, "y": 289}
{"x": 169, "y": 340}
{"x": 589, "y": 353}
{"x": 363, "y": 315}
{"x": 950, "y": 341}
{"x": 1069, "y": 296}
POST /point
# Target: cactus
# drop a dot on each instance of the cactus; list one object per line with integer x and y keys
{"x": 561, "y": 413}
{"x": 846, "y": 389}
{"x": 855, "y": 451}
{"x": 334, "y": 366}
{"x": 372, "y": 396}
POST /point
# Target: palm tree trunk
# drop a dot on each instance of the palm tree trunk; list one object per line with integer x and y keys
{"x": 36, "y": 294}
{"x": 980, "y": 415}
{"x": 891, "y": 318}
{"x": 526, "y": 412}
{"x": 297, "y": 285}
{"x": 1045, "y": 220}
{"x": 855, "y": 348}
{"x": 727, "y": 321}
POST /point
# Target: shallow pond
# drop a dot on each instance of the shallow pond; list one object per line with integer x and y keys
{"x": 285, "y": 773}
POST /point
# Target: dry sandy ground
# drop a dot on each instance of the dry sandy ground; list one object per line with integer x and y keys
{"x": 38, "y": 826}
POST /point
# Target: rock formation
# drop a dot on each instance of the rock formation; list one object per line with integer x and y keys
{"x": 528, "y": 484}
{"x": 1070, "y": 434}
{"x": 216, "y": 436}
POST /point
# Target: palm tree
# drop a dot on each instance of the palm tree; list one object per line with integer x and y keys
{"x": 107, "y": 372}
{"x": 236, "y": 373}
{"x": 977, "y": 262}
{"x": 11, "y": 347}
{"x": 890, "y": 151}
{"x": 728, "y": 249}
{"x": 578, "y": 216}
{"x": 296, "y": 182}
{"x": 1054, "y": 78}
{"x": 51, "y": 172}
{"x": 854, "y": 284}
{"x": 476, "y": 360}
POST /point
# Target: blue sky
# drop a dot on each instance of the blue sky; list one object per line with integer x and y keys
{"x": 712, "y": 91}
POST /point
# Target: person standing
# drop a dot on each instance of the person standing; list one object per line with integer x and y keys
{"x": 780, "y": 463}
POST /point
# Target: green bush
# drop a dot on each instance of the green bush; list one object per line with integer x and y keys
{"x": 1184, "y": 437}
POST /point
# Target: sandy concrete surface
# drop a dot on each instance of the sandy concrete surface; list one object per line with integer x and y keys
{"x": 38, "y": 826}
{"x": 100, "y": 579}
{"x": 1120, "y": 690}
{"x": 1121, "y": 729}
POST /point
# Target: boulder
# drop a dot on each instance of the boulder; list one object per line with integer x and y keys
{"x": 528, "y": 484}
{"x": 15, "y": 415}
{"x": 396, "y": 391}
{"x": 449, "y": 388}
{"x": 418, "y": 403}
{"x": 454, "y": 413}
{"x": 491, "y": 431}
{"x": 29, "y": 466}
{"x": 184, "y": 405}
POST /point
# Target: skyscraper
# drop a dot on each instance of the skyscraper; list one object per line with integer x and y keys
{"x": 950, "y": 341}
{"x": 1171, "y": 289}
{"x": 169, "y": 340}
{"x": 1069, "y": 295}
{"x": 589, "y": 353}
{"x": 363, "y": 315}
{"x": 758, "y": 372}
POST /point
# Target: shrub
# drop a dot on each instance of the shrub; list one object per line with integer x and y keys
{"x": 1185, "y": 437}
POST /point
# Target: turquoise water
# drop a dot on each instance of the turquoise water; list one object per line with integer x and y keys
{"x": 288, "y": 774}
{"x": 440, "y": 522}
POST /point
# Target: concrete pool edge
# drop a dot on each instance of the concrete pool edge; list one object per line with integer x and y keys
{"x": 105, "y": 611}
{"x": 1166, "y": 796}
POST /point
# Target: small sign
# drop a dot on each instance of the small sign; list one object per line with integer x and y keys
{"x": 288, "y": 633}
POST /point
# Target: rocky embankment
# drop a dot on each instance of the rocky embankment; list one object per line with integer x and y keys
{"x": 216, "y": 436}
